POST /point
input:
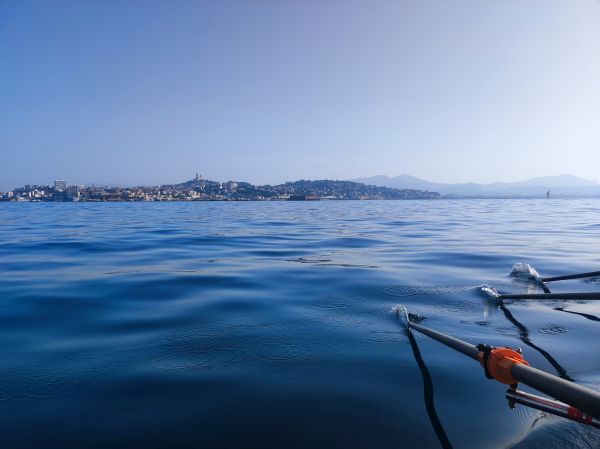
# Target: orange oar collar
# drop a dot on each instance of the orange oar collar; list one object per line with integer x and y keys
{"x": 498, "y": 363}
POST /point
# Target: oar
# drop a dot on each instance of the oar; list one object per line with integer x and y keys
{"x": 508, "y": 367}
{"x": 526, "y": 271}
{"x": 492, "y": 292}
{"x": 593, "y": 295}
{"x": 591, "y": 274}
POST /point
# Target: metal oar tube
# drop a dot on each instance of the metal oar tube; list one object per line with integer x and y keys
{"x": 551, "y": 406}
{"x": 583, "y": 398}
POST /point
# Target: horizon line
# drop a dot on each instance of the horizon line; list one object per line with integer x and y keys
{"x": 358, "y": 180}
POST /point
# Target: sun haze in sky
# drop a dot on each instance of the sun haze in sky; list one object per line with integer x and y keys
{"x": 148, "y": 92}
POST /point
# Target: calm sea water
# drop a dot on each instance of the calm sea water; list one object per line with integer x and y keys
{"x": 233, "y": 325}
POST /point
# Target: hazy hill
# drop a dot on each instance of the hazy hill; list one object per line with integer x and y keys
{"x": 320, "y": 188}
{"x": 557, "y": 185}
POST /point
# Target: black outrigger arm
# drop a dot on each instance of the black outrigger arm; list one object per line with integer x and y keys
{"x": 508, "y": 366}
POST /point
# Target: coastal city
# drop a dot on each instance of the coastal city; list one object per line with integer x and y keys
{"x": 200, "y": 189}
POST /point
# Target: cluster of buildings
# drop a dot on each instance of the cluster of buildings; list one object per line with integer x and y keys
{"x": 34, "y": 192}
{"x": 199, "y": 189}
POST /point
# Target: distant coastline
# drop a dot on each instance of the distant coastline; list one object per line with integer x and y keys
{"x": 402, "y": 187}
{"x": 200, "y": 189}
{"x": 559, "y": 186}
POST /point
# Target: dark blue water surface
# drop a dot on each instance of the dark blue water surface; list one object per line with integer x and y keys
{"x": 268, "y": 325}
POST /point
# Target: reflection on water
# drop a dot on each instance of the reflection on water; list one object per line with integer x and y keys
{"x": 524, "y": 337}
{"x": 428, "y": 394}
{"x": 266, "y": 324}
{"x": 589, "y": 316}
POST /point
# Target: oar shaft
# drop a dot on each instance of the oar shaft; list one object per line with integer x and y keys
{"x": 593, "y": 295}
{"x": 580, "y": 397}
{"x": 591, "y": 274}
{"x": 458, "y": 345}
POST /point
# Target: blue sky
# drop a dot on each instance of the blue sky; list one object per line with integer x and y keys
{"x": 146, "y": 92}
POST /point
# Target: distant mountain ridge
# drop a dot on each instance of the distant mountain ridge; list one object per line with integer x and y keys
{"x": 321, "y": 188}
{"x": 561, "y": 185}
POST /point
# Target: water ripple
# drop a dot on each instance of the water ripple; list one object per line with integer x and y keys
{"x": 170, "y": 324}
